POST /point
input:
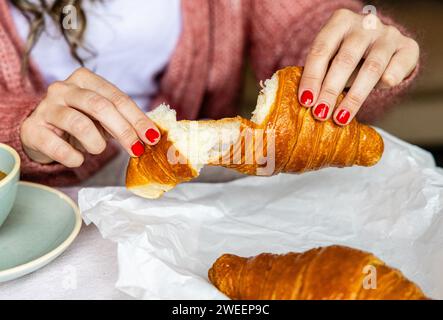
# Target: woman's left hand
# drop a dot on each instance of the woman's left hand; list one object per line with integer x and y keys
{"x": 346, "y": 39}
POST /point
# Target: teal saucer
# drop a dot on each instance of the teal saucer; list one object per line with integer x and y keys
{"x": 42, "y": 224}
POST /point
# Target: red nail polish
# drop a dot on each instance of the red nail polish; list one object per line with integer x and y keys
{"x": 307, "y": 97}
{"x": 321, "y": 111}
{"x": 138, "y": 149}
{"x": 152, "y": 135}
{"x": 343, "y": 116}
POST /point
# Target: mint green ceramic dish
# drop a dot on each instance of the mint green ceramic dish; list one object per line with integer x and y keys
{"x": 42, "y": 224}
{"x": 9, "y": 164}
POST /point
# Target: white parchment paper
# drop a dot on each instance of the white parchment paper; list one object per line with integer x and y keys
{"x": 166, "y": 246}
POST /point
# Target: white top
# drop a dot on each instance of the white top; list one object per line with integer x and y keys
{"x": 132, "y": 44}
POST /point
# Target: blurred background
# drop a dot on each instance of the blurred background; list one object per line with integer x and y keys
{"x": 418, "y": 118}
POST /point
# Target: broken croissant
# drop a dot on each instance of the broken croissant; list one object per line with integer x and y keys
{"x": 334, "y": 272}
{"x": 281, "y": 136}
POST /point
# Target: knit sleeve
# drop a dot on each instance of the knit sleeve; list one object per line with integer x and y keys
{"x": 14, "y": 109}
{"x": 282, "y": 33}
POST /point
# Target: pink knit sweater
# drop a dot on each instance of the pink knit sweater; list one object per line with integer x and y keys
{"x": 205, "y": 72}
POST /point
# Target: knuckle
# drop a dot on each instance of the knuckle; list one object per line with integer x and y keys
{"x": 392, "y": 31}
{"x": 41, "y": 108}
{"x": 311, "y": 77}
{"x": 390, "y": 79}
{"x": 38, "y": 139}
{"x": 79, "y": 125}
{"x": 119, "y": 99}
{"x": 354, "y": 100}
{"x": 346, "y": 58}
{"x": 127, "y": 134}
{"x": 318, "y": 49}
{"x": 413, "y": 44}
{"x": 100, "y": 147}
{"x": 140, "y": 124}
{"x": 342, "y": 12}
{"x": 56, "y": 87}
{"x": 58, "y": 152}
{"x": 374, "y": 66}
{"x": 98, "y": 104}
{"x": 330, "y": 91}
{"x": 26, "y": 133}
{"x": 79, "y": 162}
{"x": 26, "y": 126}
{"x": 81, "y": 72}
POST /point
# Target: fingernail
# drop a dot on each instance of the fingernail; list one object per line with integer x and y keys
{"x": 307, "y": 97}
{"x": 138, "y": 148}
{"x": 152, "y": 135}
{"x": 321, "y": 111}
{"x": 343, "y": 116}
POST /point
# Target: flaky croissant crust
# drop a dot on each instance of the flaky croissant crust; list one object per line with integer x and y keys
{"x": 334, "y": 272}
{"x": 297, "y": 141}
{"x": 301, "y": 142}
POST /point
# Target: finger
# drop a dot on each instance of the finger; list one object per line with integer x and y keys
{"x": 101, "y": 109}
{"x": 145, "y": 128}
{"x": 370, "y": 73}
{"x": 323, "y": 48}
{"x": 57, "y": 149}
{"x": 340, "y": 71}
{"x": 79, "y": 126}
{"x": 401, "y": 65}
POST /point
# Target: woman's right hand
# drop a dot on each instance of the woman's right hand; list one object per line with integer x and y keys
{"x": 78, "y": 115}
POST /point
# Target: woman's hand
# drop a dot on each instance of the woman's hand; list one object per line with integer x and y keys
{"x": 78, "y": 115}
{"x": 346, "y": 39}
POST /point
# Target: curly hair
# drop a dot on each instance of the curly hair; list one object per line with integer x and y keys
{"x": 35, "y": 12}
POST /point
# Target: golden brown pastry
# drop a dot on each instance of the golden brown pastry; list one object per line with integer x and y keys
{"x": 334, "y": 272}
{"x": 281, "y": 136}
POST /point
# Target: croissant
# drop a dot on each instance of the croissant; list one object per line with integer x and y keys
{"x": 281, "y": 136}
{"x": 334, "y": 272}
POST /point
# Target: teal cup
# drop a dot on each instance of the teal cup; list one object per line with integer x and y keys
{"x": 10, "y": 165}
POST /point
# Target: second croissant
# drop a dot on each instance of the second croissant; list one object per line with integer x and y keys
{"x": 325, "y": 273}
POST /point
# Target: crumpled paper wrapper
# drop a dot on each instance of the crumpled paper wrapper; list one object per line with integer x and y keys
{"x": 166, "y": 246}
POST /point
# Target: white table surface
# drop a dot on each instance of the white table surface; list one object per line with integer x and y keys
{"x": 88, "y": 269}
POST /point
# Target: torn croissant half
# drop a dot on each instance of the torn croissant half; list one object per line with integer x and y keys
{"x": 325, "y": 273}
{"x": 281, "y": 136}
